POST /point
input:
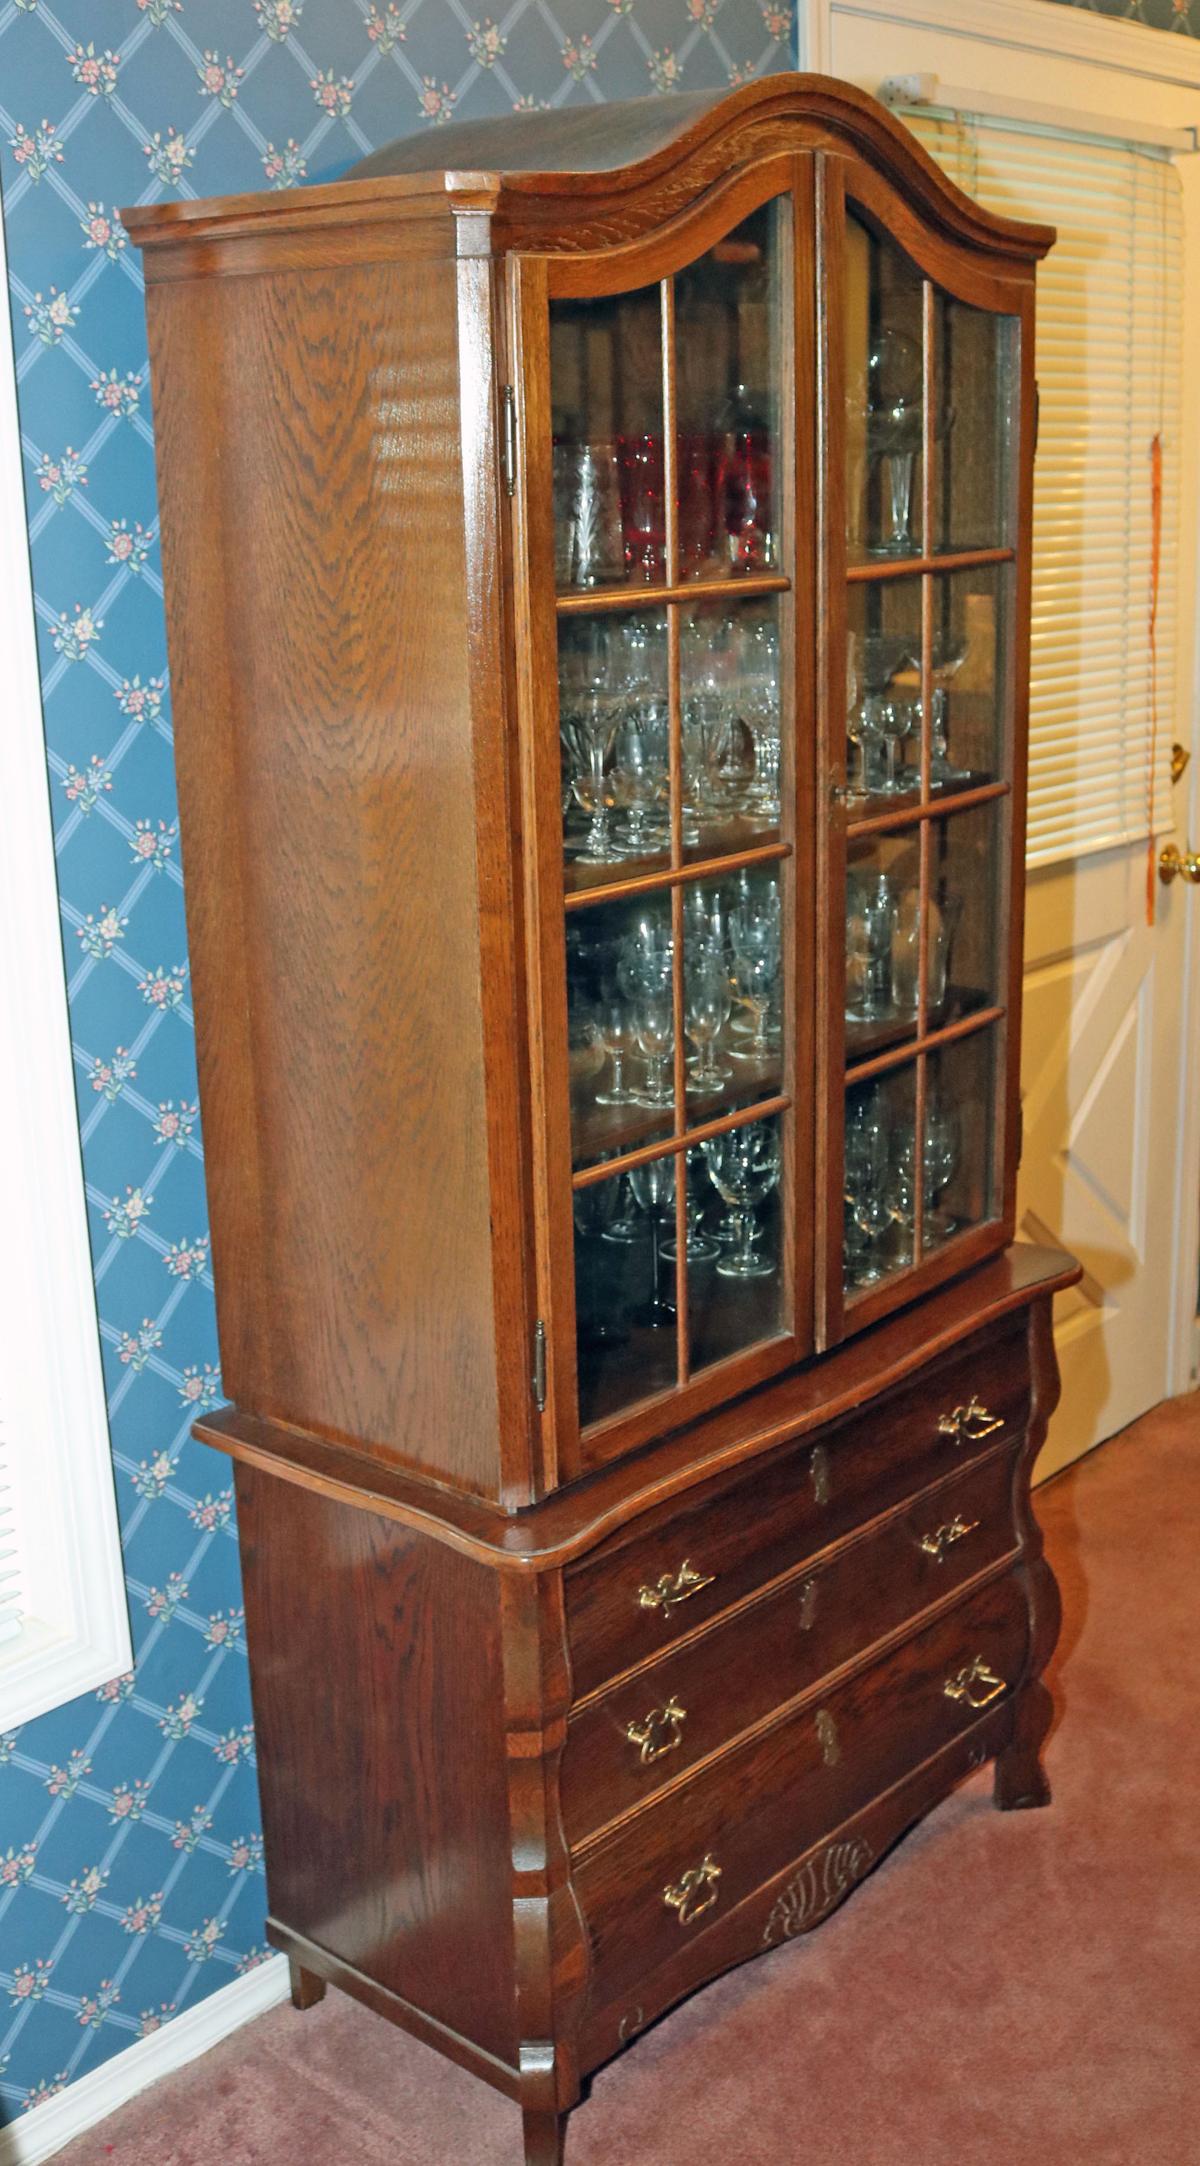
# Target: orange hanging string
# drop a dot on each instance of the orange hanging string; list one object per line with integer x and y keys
{"x": 1156, "y": 487}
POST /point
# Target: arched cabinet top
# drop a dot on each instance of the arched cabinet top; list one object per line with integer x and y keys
{"x": 595, "y": 176}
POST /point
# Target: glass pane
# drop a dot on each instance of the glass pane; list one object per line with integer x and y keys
{"x": 884, "y": 396}
{"x": 878, "y": 1239}
{"x": 971, "y": 634}
{"x": 963, "y": 932}
{"x": 732, "y": 726}
{"x": 733, "y": 992}
{"x": 625, "y": 1289}
{"x": 883, "y": 942}
{"x": 883, "y": 683}
{"x": 977, "y": 372}
{"x": 614, "y": 742}
{"x": 607, "y": 408}
{"x": 727, "y": 340}
{"x": 735, "y": 1279}
{"x": 960, "y": 1136}
{"x": 621, "y": 1027}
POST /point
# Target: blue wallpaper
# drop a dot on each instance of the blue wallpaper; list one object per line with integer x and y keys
{"x": 1182, "y": 15}
{"x": 130, "y": 1854}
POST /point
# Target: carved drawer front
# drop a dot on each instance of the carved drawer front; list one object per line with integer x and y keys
{"x": 625, "y": 1744}
{"x": 676, "y": 1568}
{"x": 703, "y": 1848}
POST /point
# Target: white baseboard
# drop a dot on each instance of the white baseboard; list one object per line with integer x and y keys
{"x": 46, "y": 2129}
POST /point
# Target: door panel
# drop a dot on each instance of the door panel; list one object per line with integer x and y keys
{"x": 668, "y": 748}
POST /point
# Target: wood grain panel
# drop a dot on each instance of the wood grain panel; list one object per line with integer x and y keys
{"x": 327, "y": 788}
{"x": 378, "y": 1710}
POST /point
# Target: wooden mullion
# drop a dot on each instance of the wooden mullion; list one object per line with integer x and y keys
{"x": 829, "y": 782}
{"x": 898, "y": 1056}
{"x": 954, "y": 560}
{"x": 936, "y": 808}
{"x": 762, "y": 1109}
{"x": 929, "y": 393}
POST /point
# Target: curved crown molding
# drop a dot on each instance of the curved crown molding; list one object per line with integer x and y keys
{"x": 632, "y": 163}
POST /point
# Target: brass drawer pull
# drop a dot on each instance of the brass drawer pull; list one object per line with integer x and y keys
{"x": 956, "y": 1530}
{"x": 659, "y": 1734}
{"x": 695, "y": 1893}
{"x": 827, "y": 1737}
{"x": 669, "y": 1590}
{"x": 808, "y": 1604}
{"x": 818, "y": 1471}
{"x": 968, "y": 1423}
{"x": 976, "y": 1684}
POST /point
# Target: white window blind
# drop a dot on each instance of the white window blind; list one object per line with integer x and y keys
{"x": 1109, "y": 353}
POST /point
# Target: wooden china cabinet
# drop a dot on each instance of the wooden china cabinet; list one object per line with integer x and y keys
{"x": 597, "y": 557}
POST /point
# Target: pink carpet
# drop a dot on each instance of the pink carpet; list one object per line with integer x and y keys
{"x": 1006, "y": 1990}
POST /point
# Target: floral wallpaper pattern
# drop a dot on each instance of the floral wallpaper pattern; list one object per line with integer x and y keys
{"x": 130, "y": 1854}
{"x": 1181, "y": 15}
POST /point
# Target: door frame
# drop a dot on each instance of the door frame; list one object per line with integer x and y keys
{"x": 1107, "y": 75}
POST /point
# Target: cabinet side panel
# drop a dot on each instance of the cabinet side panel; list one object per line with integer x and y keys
{"x": 378, "y": 1706}
{"x": 310, "y": 472}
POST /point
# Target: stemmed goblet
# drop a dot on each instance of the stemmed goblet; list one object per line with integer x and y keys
{"x": 743, "y": 1165}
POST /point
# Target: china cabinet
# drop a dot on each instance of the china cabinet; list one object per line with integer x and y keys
{"x": 597, "y": 561}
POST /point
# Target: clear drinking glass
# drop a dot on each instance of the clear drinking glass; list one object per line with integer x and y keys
{"x": 743, "y": 1165}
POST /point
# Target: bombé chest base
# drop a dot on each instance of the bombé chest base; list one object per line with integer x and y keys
{"x": 527, "y": 1781}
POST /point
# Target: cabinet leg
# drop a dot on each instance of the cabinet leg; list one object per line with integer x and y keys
{"x": 544, "y": 2134}
{"x": 307, "y": 1988}
{"x": 1020, "y": 1782}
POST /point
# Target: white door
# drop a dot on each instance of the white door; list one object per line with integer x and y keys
{"x": 1110, "y": 1166}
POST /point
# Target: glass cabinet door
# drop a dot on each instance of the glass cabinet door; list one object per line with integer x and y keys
{"x": 673, "y": 879}
{"x": 931, "y": 411}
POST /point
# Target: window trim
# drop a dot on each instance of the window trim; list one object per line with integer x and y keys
{"x": 52, "y": 1399}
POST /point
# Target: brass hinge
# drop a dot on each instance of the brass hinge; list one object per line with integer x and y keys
{"x": 539, "y": 1365}
{"x": 508, "y": 445}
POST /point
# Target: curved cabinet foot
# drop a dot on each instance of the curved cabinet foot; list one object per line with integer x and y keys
{"x": 544, "y": 2134}
{"x": 307, "y": 1988}
{"x": 1021, "y": 1780}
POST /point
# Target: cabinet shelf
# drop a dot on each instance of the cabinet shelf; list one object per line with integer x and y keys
{"x": 597, "y": 601}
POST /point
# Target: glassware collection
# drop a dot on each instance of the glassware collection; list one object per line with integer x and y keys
{"x": 881, "y": 1179}
{"x": 615, "y": 734}
{"x": 681, "y": 757}
{"x": 610, "y": 521}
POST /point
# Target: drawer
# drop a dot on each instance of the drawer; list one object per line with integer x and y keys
{"x": 704, "y": 1847}
{"x": 645, "y": 1731}
{"x": 647, "y": 1586}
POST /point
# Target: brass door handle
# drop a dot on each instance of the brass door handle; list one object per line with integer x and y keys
{"x": 956, "y": 1530}
{"x": 695, "y": 1893}
{"x": 968, "y": 1423}
{"x": 1177, "y": 864}
{"x": 976, "y": 1685}
{"x": 674, "y": 1587}
{"x": 660, "y": 1733}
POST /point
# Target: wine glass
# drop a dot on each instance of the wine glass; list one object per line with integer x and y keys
{"x": 701, "y": 1246}
{"x": 897, "y": 718}
{"x": 653, "y": 1187}
{"x": 615, "y": 1028}
{"x": 755, "y": 938}
{"x": 743, "y": 1165}
{"x": 895, "y": 426}
{"x": 878, "y": 656}
{"x": 707, "y": 1002}
{"x": 948, "y": 655}
{"x": 639, "y": 778}
{"x": 866, "y": 1185}
{"x": 644, "y": 506}
{"x": 870, "y": 925}
{"x": 646, "y": 973}
{"x": 589, "y": 732}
